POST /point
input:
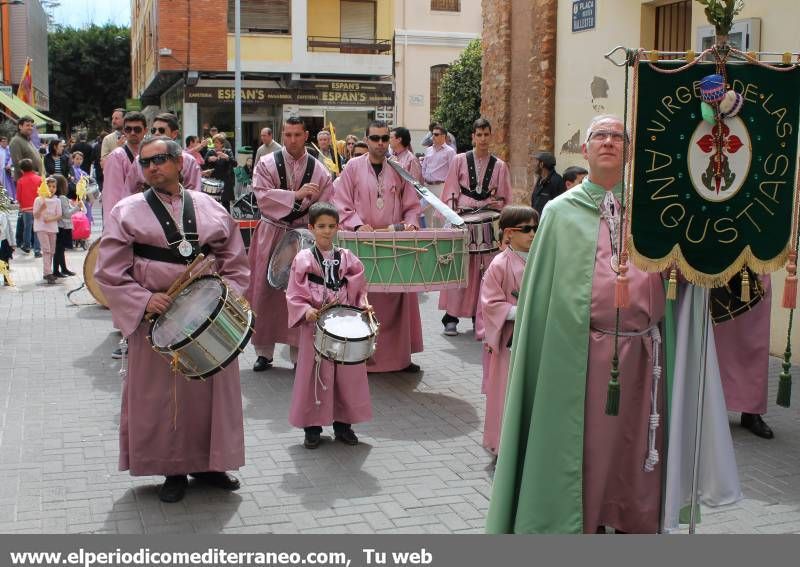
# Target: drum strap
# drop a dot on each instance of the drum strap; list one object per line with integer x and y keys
{"x": 280, "y": 164}
{"x": 171, "y": 231}
{"x": 159, "y": 254}
{"x": 321, "y": 280}
{"x": 129, "y": 152}
{"x": 473, "y": 178}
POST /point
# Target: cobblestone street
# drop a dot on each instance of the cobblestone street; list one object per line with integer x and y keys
{"x": 420, "y": 467}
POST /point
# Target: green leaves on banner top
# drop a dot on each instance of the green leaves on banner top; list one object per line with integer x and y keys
{"x": 709, "y": 211}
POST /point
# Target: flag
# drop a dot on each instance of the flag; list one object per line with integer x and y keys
{"x": 25, "y": 89}
{"x": 334, "y": 147}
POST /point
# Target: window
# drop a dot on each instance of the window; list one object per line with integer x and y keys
{"x": 674, "y": 26}
{"x": 273, "y": 16}
{"x": 357, "y": 20}
{"x": 446, "y": 5}
{"x": 437, "y": 72}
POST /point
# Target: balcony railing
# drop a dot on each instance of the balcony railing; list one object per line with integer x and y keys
{"x": 350, "y": 45}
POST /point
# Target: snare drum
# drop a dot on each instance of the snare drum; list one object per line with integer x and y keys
{"x": 422, "y": 260}
{"x": 205, "y": 328}
{"x": 89, "y": 263}
{"x": 345, "y": 335}
{"x": 213, "y": 187}
{"x": 483, "y": 228}
{"x": 280, "y": 263}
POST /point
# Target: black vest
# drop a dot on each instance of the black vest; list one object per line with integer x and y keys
{"x": 473, "y": 178}
{"x": 280, "y": 164}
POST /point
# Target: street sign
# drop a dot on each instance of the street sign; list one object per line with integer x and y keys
{"x": 584, "y": 15}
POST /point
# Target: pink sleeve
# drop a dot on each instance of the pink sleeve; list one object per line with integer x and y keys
{"x": 231, "y": 259}
{"x": 38, "y": 205}
{"x": 504, "y": 183}
{"x": 298, "y": 293}
{"x": 191, "y": 172}
{"x": 325, "y": 185}
{"x": 273, "y": 202}
{"x": 127, "y": 299}
{"x": 113, "y": 182}
{"x": 452, "y": 188}
{"x": 494, "y": 305}
{"x": 411, "y": 206}
{"x": 344, "y": 199}
{"x": 415, "y": 168}
{"x": 356, "y": 280}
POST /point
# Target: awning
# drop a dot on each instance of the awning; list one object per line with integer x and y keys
{"x": 21, "y": 108}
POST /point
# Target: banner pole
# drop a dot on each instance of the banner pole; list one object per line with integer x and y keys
{"x": 701, "y": 392}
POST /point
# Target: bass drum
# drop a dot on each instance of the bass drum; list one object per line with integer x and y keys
{"x": 89, "y": 264}
{"x": 726, "y": 302}
{"x": 280, "y": 263}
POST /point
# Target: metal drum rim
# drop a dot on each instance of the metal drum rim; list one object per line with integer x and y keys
{"x": 234, "y": 355}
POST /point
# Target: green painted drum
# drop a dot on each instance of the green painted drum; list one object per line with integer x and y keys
{"x": 422, "y": 260}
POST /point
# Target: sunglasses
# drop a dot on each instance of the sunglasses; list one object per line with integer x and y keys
{"x": 437, "y": 134}
{"x": 377, "y": 138}
{"x": 158, "y": 159}
{"x": 525, "y": 228}
{"x": 160, "y": 130}
{"x": 136, "y": 129}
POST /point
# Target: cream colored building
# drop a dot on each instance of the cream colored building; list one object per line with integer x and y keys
{"x": 429, "y": 36}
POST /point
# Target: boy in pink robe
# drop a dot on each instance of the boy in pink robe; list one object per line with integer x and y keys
{"x": 282, "y": 209}
{"x": 486, "y": 190}
{"x": 498, "y": 308}
{"x": 122, "y": 175}
{"x": 324, "y": 392}
{"x": 169, "y": 425}
{"x": 370, "y": 195}
{"x": 743, "y": 351}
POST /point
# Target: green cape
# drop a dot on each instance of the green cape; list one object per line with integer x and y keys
{"x": 538, "y": 482}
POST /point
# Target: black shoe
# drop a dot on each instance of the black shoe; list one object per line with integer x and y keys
{"x": 37, "y": 254}
{"x": 262, "y": 363}
{"x": 117, "y": 354}
{"x": 50, "y": 278}
{"x": 348, "y": 437}
{"x": 312, "y": 440}
{"x": 756, "y": 425}
{"x": 173, "y": 489}
{"x": 67, "y": 273}
{"x": 411, "y": 368}
{"x": 59, "y": 275}
{"x": 221, "y": 480}
{"x": 25, "y": 249}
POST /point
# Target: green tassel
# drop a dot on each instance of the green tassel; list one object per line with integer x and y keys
{"x": 612, "y": 401}
{"x": 785, "y": 384}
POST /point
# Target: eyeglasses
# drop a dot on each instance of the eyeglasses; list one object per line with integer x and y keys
{"x": 603, "y": 135}
{"x": 160, "y": 130}
{"x": 158, "y": 159}
{"x": 377, "y": 138}
{"x": 136, "y": 129}
{"x": 525, "y": 228}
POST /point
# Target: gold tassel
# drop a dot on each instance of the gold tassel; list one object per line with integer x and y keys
{"x": 672, "y": 286}
{"x": 790, "y": 284}
{"x": 745, "y": 296}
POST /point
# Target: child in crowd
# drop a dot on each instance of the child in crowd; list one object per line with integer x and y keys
{"x": 498, "y": 306}
{"x": 46, "y": 214}
{"x": 64, "y": 237}
{"x": 77, "y": 173}
{"x": 27, "y": 186}
{"x": 325, "y": 393}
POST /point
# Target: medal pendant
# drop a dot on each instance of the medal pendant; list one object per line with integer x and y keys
{"x": 184, "y": 248}
{"x": 379, "y": 202}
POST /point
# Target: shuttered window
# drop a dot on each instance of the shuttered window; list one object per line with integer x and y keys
{"x": 265, "y": 16}
{"x": 674, "y": 26}
{"x": 357, "y": 20}
{"x": 446, "y": 5}
{"x": 437, "y": 72}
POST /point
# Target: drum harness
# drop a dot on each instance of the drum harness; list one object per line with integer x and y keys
{"x": 484, "y": 192}
{"x": 298, "y": 211}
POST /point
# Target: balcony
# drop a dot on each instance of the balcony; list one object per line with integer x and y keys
{"x": 349, "y": 45}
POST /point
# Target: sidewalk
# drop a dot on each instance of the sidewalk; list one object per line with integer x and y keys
{"x": 419, "y": 469}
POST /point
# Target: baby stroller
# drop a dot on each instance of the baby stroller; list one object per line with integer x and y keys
{"x": 81, "y": 229}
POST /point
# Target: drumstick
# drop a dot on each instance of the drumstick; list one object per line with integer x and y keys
{"x": 398, "y": 247}
{"x": 199, "y": 258}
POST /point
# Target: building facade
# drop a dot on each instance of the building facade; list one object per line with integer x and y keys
{"x": 24, "y": 35}
{"x": 545, "y": 75}
{"x": 323, "y": 60}
{"x": 429, "y": 36}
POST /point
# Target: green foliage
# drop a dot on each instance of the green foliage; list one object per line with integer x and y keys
{"x": 720, "y": 13}
{"x": 460, "y": 95}
{"x": 90, "y": 74}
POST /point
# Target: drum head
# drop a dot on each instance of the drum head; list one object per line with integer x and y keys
{"x": 280, "y": 263}
{"x": 347, "y": 323}
{"x": 89, "y": 264}
{"x": 726, "y": 302}
{"x": 189, "y": 313}
{"x": 486, "y": 215}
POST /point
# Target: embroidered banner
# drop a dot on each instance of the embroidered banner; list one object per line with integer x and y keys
{"x": 710, "y": 220}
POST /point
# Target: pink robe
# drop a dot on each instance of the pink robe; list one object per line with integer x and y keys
{"x": 121, "y": 178}
{"x": 462, "y": 302}
{"x": 191, "y": 174}
{"x": 268, "y": 303}
{"x": 410, "y": 163}
{"x": 503, "y": 276}
{"x": 355, "y": 196}
{"x": 616, "y": 490}
{"x": 342, "y": 389}
{"x": 170, "y": 425}
{"x": 743, "y": 352}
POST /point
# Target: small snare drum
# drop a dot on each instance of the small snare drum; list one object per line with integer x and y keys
{"x": 213, "y": 187}
{"x": 484, "y": 230}
{"x": 345, "y": 335}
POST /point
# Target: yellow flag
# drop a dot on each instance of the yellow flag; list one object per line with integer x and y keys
{"x": 80, "y": 188}
{"x": 44, "y": 190}
{"x": 334, "y": 147}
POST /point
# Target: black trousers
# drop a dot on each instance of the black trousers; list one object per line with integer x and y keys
{"x": 338, "y": 427}
{"x": 63, "y": 238}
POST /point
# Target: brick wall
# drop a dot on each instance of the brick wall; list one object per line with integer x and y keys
{"x": 196, "y": 31}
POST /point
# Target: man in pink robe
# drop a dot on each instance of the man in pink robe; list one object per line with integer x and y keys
{"x": 122, "y": 175}
{"x": 325, "y": 393}
{"x": 400, "y": 143}
{"x": 283, "y": 208}
{"x": 743, "y": 351}
{"x": 166, "y": 124}
{"x": 370, "y": 195}
{"x": 169, "y": 425}
{"x": 488, "y": 188}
